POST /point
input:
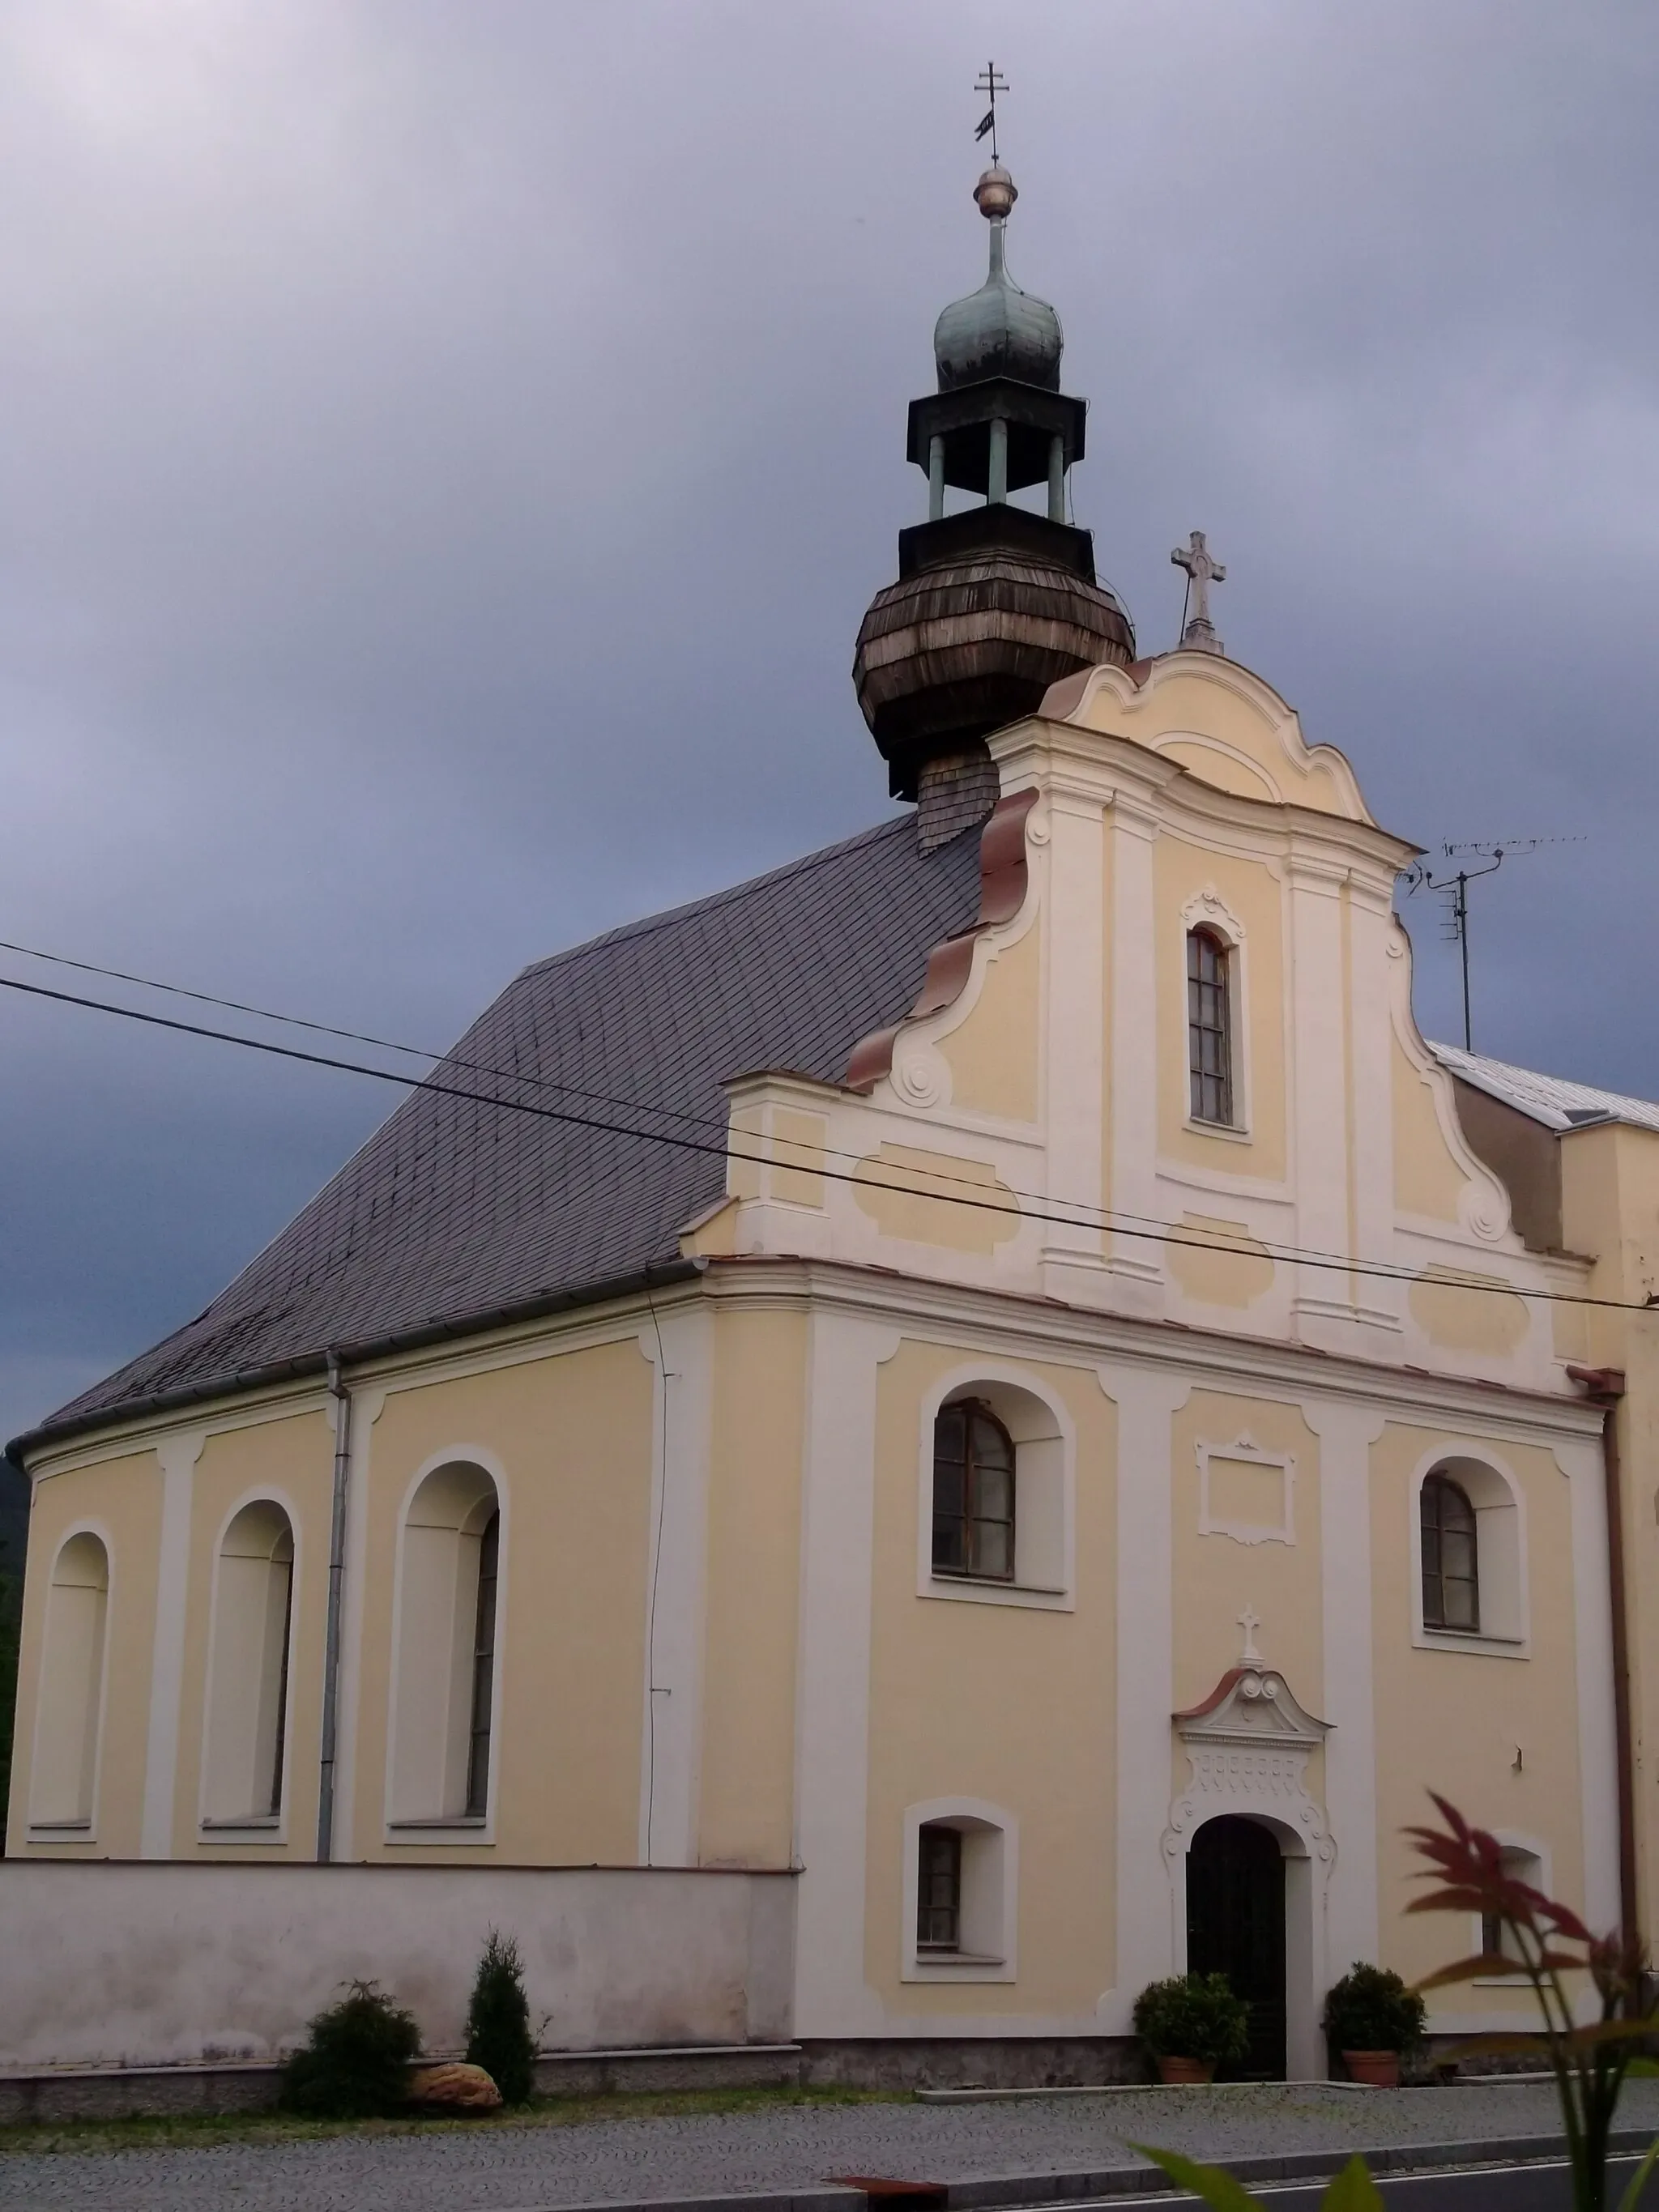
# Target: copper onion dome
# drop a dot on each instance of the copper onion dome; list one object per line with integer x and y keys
{"x": 997, "y": 601}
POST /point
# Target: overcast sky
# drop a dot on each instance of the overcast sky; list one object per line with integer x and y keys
{"x": 447, "y": 447}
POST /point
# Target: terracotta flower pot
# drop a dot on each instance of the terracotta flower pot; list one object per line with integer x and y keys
{"x": 1174, "y": 2073}
{"x": 1378, "y": 2070}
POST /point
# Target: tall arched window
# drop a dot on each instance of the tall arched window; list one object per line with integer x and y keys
{"x": 1209, "y": 1028}
{"x": 973, "y": 1492}
{"x": 64, "y": 1779}
{"x": 446, "y": 1658}
{"x": 247, "y": 1668}
{"x": 1451, "y": 1581}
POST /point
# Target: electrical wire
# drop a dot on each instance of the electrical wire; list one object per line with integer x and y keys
{"x": 1104, "y": 1218}
{"x": 1168, "y": 1234}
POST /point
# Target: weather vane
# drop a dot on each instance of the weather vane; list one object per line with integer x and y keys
{"x": 993, "y": 83}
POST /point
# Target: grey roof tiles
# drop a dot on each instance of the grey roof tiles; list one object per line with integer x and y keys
{"x": 458, "y": 1209}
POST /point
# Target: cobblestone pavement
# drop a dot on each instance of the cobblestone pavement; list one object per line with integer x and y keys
{"x": 508, "y": 2169}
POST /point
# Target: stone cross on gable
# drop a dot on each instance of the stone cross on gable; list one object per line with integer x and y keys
{"x": 1202, "y": 570}
{"x": 1250, "y": 1620}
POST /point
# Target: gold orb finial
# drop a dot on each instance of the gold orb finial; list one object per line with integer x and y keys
{"x": 995, "y": 192}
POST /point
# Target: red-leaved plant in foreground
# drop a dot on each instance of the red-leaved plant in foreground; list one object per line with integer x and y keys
{"x": 1523, "y": 1932}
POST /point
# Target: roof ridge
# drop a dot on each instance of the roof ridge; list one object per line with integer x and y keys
{"x": 647, "y": 924}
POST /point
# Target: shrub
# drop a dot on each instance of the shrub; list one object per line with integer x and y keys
{"x": 1193, "y": 2016}
{"x": 354, "y": 2064}
{"x": 1371, "y": 2009}
{"x": 498, "y": 2036}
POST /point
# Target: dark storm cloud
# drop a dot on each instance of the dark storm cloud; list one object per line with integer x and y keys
{"x": 447, "y": 449}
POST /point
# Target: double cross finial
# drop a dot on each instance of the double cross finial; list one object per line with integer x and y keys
{"x": 1198, "y": 633}
{"x": 993, "y": 83}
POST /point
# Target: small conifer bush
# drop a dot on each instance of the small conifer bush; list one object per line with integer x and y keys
{"x": 498, "y": 2035}
{"x": 354, "y": 2064}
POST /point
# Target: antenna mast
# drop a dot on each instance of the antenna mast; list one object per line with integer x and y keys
{"x": 1454, "y": 888}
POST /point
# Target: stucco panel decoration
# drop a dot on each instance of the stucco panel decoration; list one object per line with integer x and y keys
{"x": 1248, "y": 1747}
{"x": 1245, "y": 1494}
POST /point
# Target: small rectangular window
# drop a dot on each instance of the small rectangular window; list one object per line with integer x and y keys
{"x": 938, "y": 1889}
{"x": 1209, "y": 1029}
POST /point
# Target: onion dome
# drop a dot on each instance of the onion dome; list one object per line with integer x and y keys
{"x": 998, "y": 331}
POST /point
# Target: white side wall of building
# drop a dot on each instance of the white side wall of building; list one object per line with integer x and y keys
{"x": 150, "y": 1963}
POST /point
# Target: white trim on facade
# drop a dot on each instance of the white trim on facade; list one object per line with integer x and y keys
{"x": 177, "y": 1456}
{"x": 1055, "y": 1592}
{"x": 832, "y": 1727}
{"x": 676, "y": 1595}
{"x": 1502, "y": 1575}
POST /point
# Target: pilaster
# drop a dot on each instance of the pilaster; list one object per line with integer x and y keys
{"x": 681, "y": 1350}
{"x": 1347, "y": 1432}
{"x": 1146, "y": 1401}
{"x": 178, "y": 1456}
{"x": 832, "y": 1698}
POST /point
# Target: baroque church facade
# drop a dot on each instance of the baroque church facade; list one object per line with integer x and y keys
{"x": 989, "y": 1376}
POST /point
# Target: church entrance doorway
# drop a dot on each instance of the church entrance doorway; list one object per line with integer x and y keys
{"x": 1236, "y": 1927}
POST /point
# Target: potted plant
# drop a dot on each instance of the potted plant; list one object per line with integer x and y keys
{"x": 1190, "y": 2024}
{"x": 1370, "y": 2017}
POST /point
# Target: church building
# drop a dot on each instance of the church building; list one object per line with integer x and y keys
{"x": 884, "y": 1458}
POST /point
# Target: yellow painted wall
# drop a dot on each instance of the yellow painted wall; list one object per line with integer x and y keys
{"x": 1253, "y": 892}
{"x": 1451, "y": 1721}
{"x": 121, "y": 1498}
{"x": 1610, "y": 1209}
{"x": 992, "y": 1055}
{"x": 1217, "y": 1577}
{"x": 753, "y": 1588}
{"x": 573, "y": 1433}
{"x": 292, "y": 1461}
{"x": 1427, "y": 1179}
{"x": 955, "y": 1689}
{"x": 1217, "y": 1262}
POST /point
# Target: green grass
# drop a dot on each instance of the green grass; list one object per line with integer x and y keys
{"x": 202, "y": 2131}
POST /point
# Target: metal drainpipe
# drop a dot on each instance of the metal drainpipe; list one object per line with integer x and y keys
{"x": 341, "y": 1394}
{"x": 1605, "y": 1386}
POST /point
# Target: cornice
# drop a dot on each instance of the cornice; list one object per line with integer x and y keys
{"x": 1257, "y": 1367}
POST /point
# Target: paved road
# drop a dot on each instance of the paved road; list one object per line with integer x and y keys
{"x": 783, "y": 2148}
{"x": 1508, "y": 2189}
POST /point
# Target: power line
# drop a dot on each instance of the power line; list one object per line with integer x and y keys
{"x": 1165, "y": 1233}
{"x": 1106, "y": 1217}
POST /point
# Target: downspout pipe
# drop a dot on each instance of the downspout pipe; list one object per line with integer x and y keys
{"x": 1605, "y": 1386}
{"x": 341, "y": 1393}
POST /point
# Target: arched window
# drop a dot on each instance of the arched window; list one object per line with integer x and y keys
{"x": 973, "y": 1492}
{"x": 64, "y": 1780}
{"x": 1209, "y": 1028}
{"x": 1451, "y": 1578}
{"x": 446, "y": 1658}
{"x": 247, "y": 1668}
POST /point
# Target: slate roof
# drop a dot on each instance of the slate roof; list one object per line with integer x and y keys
{"x": 1550, "y": 1099}
{"x": 456, "y": 1212}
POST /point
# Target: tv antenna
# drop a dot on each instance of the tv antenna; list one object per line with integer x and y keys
{"x": 1453, "y": 886}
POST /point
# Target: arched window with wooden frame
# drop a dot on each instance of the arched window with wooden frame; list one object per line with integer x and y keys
{"x": 1451, "y": 1573}
{"x": 973, "y": 1492}
{"x": 1209, "y": 1027}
